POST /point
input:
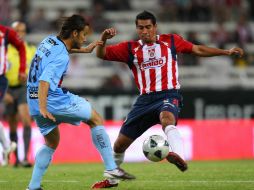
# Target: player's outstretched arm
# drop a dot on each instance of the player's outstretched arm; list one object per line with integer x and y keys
{"x": 89, "y": 48}
{"x": 42, "y": 95}
{"x": 105, "y": 35}
{"x": 205, "y": 51}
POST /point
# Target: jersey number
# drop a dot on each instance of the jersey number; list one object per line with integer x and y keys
{"x": 34, "y": 69}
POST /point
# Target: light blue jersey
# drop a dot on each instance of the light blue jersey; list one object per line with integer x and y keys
{"x": 50, "y": 64}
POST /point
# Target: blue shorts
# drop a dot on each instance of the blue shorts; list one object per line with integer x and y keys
{"x": 3, "y": 86}
{"x": 146, "y": 111}
{"x": 73, "y": 113}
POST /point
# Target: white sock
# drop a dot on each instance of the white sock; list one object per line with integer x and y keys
{"x": 175, "y": 140}
{"x": 118, "y": 157}
{"x": 3, "y": 139}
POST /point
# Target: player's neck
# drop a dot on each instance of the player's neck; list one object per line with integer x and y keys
{"x": 67, "y": 43}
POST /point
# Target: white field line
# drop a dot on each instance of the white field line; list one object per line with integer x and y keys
{"x": 146, "y": 181}
{"x": 199, "y": 181}
{"x": 47, "y": 181}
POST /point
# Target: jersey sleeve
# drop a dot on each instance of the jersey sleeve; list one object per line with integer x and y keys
{"x": 117, "y": 52}
{"x": 20, "y": 46}
{"x": 182, "y": 45}
{"x": 53, "y": 72}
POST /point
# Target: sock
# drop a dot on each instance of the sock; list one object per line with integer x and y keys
{"x": 26, "y": 138}
{"x": 3, "y": 139}
{"x": 42, "y": 161}
{"x": 118, "y": 157}
{"x": 175, "y": 140}
{"x": 14, "y": 138}
{"x": 103, "y": 145}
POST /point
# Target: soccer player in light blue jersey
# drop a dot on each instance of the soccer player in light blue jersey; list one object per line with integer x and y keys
{"x": 50, "y": 105}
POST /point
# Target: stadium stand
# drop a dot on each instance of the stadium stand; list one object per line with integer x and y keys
{"x": 89, "y": 72}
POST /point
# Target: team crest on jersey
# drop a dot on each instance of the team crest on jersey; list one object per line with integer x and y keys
{"x": 153, "y": 63}
{"x": 151, "y": 53}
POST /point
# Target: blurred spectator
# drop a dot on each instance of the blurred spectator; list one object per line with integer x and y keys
{"x": 98, "y": 20}
{"x": 189, "y": 59}
{"x": 39, "y": 22}
{"x": 113, "y": 82}
{"x": 220, "y": 36}
{"x": 24, "y": 9}
{"x": 168, "y": 10}
{"x": 56, "y": 24}
{"x": 5, "y": 12}
{"x": 114, "y": 5}
{"x": 117, "y": 5}
{"x": 200, "y": 10}
{"x": 243, "y": 33}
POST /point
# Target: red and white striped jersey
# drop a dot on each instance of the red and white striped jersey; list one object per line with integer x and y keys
{"x": 154, "y": 66}
{"x": 8, "y": 35}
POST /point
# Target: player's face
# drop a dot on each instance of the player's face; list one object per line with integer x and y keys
{"x": 21, "y": 30}
{"x": 146, "y": 30}
{"x": 80, "y": 38}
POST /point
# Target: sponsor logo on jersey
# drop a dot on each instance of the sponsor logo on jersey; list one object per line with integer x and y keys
{"x": 153, "y": 63}
{"x": 33, "y": 92}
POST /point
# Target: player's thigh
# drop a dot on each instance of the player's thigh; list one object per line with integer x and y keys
{"x": 78, "y": 109}
{"x": 135, "y": 127}
{"x": 3, "y": 86}
{"x": 45, "y": 125}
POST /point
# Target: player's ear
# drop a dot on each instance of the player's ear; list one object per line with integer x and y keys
{"x": 75, "y": 33}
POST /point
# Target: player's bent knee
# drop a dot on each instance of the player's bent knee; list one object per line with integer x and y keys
{"x": 95, "y": 120}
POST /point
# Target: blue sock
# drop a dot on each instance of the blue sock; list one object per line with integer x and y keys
{"x": 103, "y": 145}
{"x": 42, "y": 160}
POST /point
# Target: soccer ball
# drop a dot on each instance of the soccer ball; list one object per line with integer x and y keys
{"x": 155, "y": 148}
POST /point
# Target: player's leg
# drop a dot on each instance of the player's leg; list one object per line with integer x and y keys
{"x": 102, "y": 143}
{"x": 168, "y": 116}
{"x": 26, "y": 122}
{"x": 7, "y": 148}
{"x": 120, "y": 146}
{"x": 44, "y": 157}
{"x": 13, "y": 123}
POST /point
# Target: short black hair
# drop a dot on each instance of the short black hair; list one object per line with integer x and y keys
{"x": 145, "y": 15}
{"x": 74, "y": 22}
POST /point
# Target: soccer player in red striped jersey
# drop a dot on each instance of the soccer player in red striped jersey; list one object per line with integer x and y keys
{"x": 9, "y": 36}
{"x": 153, "y": 62}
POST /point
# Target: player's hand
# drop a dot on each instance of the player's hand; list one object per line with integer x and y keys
{"x": 236, "y": 51}
{"x": 22, "y": 77}
{"x": 89, "y": 48}
{"x": 108, "y": 34}
{"x": 44, "y": 112}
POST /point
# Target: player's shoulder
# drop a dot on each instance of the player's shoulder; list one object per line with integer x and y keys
{"x": 170, "y": 35}
{"x": 54, "y": 45}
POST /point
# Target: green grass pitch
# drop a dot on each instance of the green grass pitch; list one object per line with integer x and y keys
{"x": 202, "y": 175}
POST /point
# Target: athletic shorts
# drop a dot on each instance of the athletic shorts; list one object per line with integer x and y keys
{"x": 19, "y": 95}
{"x": 146, "y": 111}
{"x": 3, "y": 86}
{"x": 79, "y": 109}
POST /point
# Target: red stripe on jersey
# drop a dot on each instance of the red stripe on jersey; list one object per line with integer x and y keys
{"x": 153, "y": 82}
{"x": 174, "y": 73}
{"x": 164, "y": 69}
{"x": 140, "y": 61}
{"x": 135, "y": 74}
{"x": 5, "y": 64}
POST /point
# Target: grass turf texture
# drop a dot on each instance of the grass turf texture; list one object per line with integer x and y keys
{"x": 205, "y": 175}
